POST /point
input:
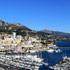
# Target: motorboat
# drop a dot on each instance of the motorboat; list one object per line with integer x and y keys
{"x": 50, "y": 50}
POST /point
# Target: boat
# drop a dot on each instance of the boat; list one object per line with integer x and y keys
{"x": 36, "y": 68}
{"x": 57, "y": 50}
{"x": 50, "y": 50}
{"x": 31, "y": 51}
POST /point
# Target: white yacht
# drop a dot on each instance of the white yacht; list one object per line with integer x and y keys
{"x": 50, "y": 50}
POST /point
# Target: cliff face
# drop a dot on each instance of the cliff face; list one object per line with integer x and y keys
{"x": 12, "y": 27}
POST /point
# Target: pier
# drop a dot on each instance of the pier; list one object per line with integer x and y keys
{"x": 64, "y": 47}
{"x": 45, "y": 64}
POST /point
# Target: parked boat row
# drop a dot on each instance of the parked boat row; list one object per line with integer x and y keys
{"x": 26, "y": 61}
{"x": 63, "y": 65}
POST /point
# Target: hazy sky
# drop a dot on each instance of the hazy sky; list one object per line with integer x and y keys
{"x": 37, "y": 14}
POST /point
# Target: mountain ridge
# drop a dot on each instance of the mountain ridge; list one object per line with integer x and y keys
{"x": 59, "y": 33}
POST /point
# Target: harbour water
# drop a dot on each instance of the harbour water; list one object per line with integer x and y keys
{"x": 54, "y": 58}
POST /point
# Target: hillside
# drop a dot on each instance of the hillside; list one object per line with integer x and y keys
{"x": 15, "y": 27}
{"x": 56, "y": 33}
{"x": 12, "y": 26}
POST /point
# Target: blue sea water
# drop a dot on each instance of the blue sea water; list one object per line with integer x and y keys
{"x": 54, "y": 58}
{"x": 63, "y": 43}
